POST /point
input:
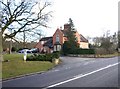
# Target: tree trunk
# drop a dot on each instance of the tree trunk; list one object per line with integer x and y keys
{"x": 1, "y": 48}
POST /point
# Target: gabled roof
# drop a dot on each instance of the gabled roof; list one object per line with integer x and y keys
{"x": 49, "y": 43}
{"x": 64, "y": 32}
{"x": 83, "y": 39}
{"x": 45, "y": 38}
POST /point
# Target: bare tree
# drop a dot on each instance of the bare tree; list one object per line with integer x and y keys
{"x": 97, "y": 41}
{"x": 19, "y": 14}
{"x": 26, "y": 13}
{"x": 108, "y": 43}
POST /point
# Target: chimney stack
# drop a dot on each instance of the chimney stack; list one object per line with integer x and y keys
{"x": 66, "y": 26}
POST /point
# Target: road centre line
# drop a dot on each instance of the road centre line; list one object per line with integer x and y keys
{"x": 81, "y": 75}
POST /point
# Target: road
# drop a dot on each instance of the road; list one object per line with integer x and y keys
{"x": 74, "y": 72}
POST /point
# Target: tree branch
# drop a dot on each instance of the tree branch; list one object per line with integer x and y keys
{"x": 24, "y": 16}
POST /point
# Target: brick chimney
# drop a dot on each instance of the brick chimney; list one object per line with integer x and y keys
{"x": 66, "y": 26}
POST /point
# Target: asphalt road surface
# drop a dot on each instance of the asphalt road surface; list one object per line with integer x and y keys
{"x": 74, "y": 72}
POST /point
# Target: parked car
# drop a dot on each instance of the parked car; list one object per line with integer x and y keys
{"x": 23, "y": 50}
{"x": 34, "y": 50}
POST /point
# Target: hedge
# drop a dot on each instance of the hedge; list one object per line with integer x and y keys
{"x": 81, "y": 51}
{"x": 43, "y": 57}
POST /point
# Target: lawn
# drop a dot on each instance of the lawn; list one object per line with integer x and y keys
{"x": 16, "y": 66}
{"x": 109, "y": 55}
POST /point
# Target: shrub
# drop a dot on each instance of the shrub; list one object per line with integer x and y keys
{"x": 102, "y": 51}
{"x": 82, "y": 51}
{"x": 31, "y": 58}
{"x": 43, "y": 57}
{"x": 14, "y": 49}
{"x": 56, "y": 54}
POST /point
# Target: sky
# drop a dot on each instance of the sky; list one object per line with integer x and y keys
{"x": 91, "y": 17}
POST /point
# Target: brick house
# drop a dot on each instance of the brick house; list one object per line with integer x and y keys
{"x": 47, "y": 44}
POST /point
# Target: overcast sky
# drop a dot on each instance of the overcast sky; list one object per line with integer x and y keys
{"x": 90, "y": 17}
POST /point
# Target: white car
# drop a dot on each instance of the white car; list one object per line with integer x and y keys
{"x": 34, "y": 50}
{"x": 23, "y": 50}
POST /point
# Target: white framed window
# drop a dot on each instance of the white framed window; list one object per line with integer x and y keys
{"x": 57, "y": 38}
{"x": 58, "y": 47}
{"x": 54, "y": 48}
{"x": 42, "y": 42}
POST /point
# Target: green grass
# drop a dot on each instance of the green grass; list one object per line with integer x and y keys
{"x": 16, "y": 66}
{"x": 109, "y": 55}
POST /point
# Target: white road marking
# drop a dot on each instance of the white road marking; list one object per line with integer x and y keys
{"x": 78, "y": 75}
{"x": 56, "y": 70}
{"x": 81, "y": 75}
{"x": 67, "y": 67}
{"x": 86, "y": 63}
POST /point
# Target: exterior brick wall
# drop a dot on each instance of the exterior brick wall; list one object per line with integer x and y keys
{"x": 60, "y": 34}
{"x": 62, "y": 38}
{"x": 78, "y": 37}
{"x": 39, "y": 46}
{"x": 84, "y": 45}
{"x": 65, "y": 39}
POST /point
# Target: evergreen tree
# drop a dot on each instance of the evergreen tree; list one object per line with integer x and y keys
{"x": 71, "y": 35}
{"x": 71, "y": 24}
{"x": 71, "y": 44}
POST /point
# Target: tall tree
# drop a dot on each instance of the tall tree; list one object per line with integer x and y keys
{"x": 1, "y": 48}
{"x": 72, "y": 40}
{"x": 71, "y": 44}
{"x": 71, "y": 24}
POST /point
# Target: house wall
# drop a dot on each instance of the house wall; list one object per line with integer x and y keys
{"x": 62, "y": 39}
{"x": 58, "y": 31}
{"x": 47, "y": 49}
{"x": 84, "y": 45}
{"x": 65, "y": 39}
{"x": 39, "y": 46}
{"x": 66, "y": 26}
{"x": 78, "y": 37}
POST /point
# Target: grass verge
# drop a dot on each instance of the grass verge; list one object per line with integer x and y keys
{"x": 109, "y": 55}
{"x": 15, "y": 66}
